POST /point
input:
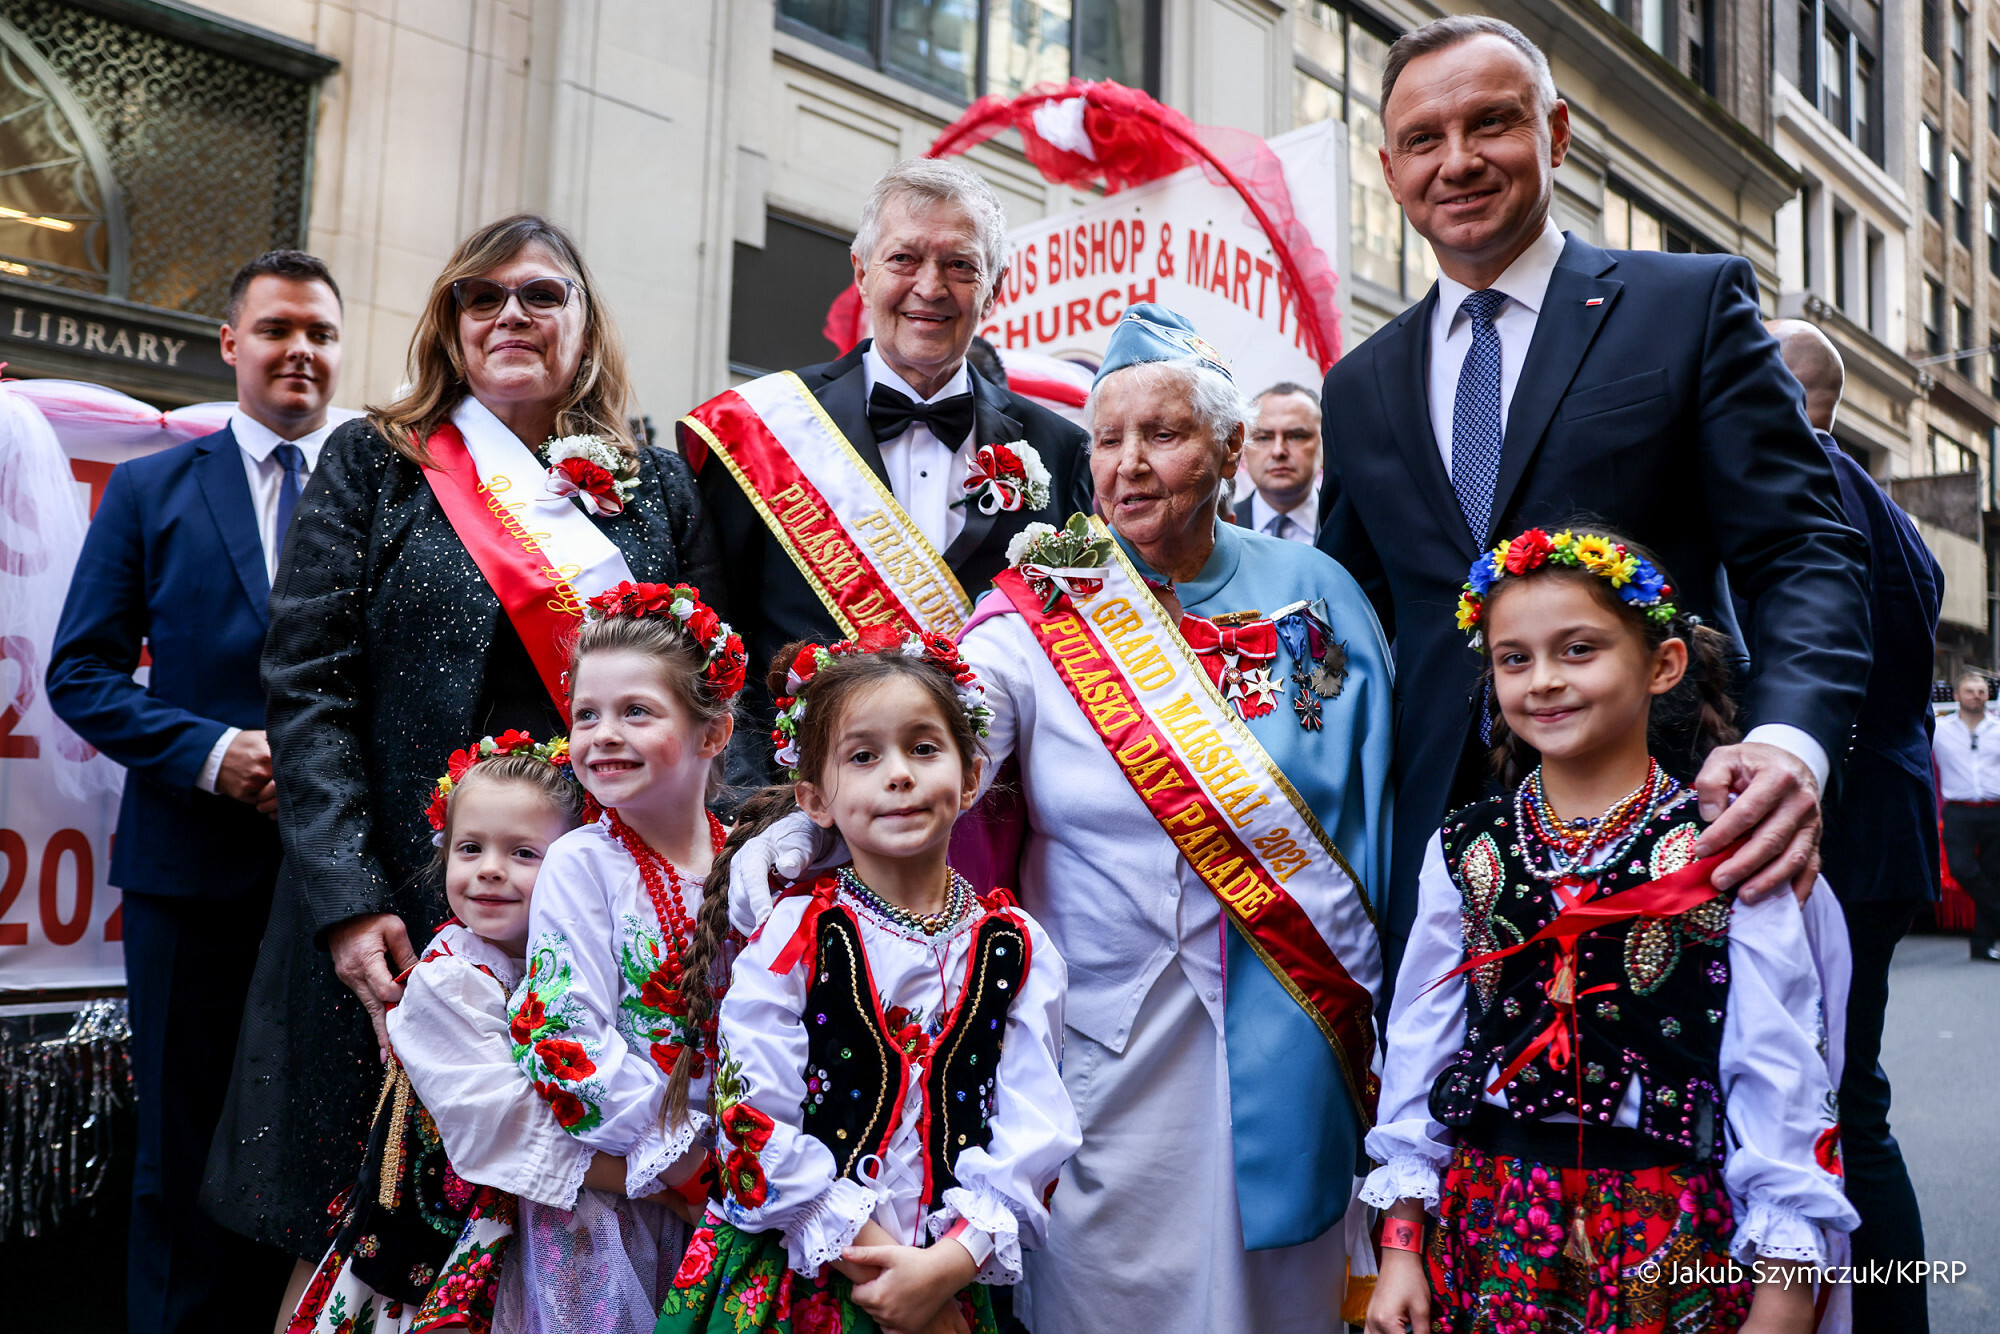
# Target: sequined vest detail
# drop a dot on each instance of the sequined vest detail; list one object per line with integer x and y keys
{"x": 856, "y": 1075}
{"x": 1650, "y": 993}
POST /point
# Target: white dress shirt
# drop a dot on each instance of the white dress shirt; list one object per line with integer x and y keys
{"x": 1526, "y": 283}
{"x": 1968, "y": 759}
{"x": 925, "y": 473}
{"x": 266, "y": 475}
{"x": 1294, "y": 525}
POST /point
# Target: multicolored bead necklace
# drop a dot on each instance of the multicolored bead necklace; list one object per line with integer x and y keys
{"x": 1574, "y": 846}
{"x": 958, "y": 902}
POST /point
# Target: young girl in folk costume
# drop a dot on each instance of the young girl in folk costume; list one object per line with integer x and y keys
{"x": 419, "y": 1245}
{"x": 598, "y": 1024}
{"x": 888, "y": 1099}
{"x": 1603, "y": 1077}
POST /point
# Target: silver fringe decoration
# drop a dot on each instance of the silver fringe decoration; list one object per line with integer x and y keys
{"x": 58, "y": 1099}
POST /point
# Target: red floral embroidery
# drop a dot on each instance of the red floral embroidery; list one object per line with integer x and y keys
{"x": 746, "y": 1178}
{"x": 747, "y": 1127}
{"x": 527, "y": 1019}
{"x": 565, "y": 1059}
{"x": 1826, "y": 1150}
{"x": 568, "y": 1108}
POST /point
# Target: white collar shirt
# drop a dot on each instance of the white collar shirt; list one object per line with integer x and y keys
{"x": 266, "y": 475}
{"x": 924, "y": 471}
{"x": 1294, "y": 525}
{"x": 1968, "y": 759}
{"x": 1526, "y": 283}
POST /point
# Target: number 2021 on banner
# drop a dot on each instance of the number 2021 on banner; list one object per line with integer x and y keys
{"x": 66, "y": 850}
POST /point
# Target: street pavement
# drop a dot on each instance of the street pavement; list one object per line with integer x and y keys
{"x": 1941, "y": 1048}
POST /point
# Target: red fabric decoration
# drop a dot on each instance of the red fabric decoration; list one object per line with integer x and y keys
{"x": 846, "y": 320}
{"x": 1133, "y": 139}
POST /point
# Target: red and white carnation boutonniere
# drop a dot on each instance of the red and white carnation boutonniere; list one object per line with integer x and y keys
{"x": 593, "y": 470}
{"x": 1006, "y": 477}
{"x": 1061, "y": 561}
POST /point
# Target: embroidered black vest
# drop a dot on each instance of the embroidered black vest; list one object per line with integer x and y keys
{"x": 856, "y": 1075}
{"x": 1650, "y": 994}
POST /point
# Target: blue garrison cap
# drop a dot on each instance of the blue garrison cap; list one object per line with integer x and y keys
{"x": 1154, "y": 333}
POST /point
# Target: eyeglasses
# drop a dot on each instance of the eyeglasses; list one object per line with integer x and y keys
{"x": 482, "y": 298}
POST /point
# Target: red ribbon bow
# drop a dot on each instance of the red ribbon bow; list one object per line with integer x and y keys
{"x": 1226, "y": 651}
{"x": 824, "y": 891}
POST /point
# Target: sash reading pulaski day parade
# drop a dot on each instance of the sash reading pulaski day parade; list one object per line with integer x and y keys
{"x": 864, "y": 557}
{"x": 1214, "y": 790}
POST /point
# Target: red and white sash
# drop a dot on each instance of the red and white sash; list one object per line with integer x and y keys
{"x": 865, "y": 558}
{"x": 1219, "y": 796}
{"x": 541, "y": 555}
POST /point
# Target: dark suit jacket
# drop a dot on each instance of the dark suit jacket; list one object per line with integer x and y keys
{"x": 172, "y": 561}
{"x": 770, "y": 603}
{"x": 1663, "y": 412}
{"x": 1243, "y": 512}
{"x": 1881, "y": 840}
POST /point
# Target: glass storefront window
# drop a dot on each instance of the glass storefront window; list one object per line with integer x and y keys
{"x": 1376, "y": 243}
{"x": 845, "y": 21}
{"x": 1110, "y": 40}
{"x": 1320, "y": 34}
{"x": 1312, "y": 100}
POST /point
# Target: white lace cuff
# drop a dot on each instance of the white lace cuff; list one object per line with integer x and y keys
{"x": 645, "y": 1171}
{"x": 1773, "y": 1232}
{"x": 1407, "y": 1176}
{"x": 566, "y": 1191}
{"x": 989, "y": 1213}
{"x": 827, "y": 1226}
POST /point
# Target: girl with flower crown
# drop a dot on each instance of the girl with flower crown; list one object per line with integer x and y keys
{"x": 888, "y": 1097}
{"x": 1605, "y": 1105}
{"x": 421, "y": 1238}
{"x": 598, "y": 1024}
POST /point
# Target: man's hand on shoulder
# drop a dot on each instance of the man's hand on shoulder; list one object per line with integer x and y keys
{"x": 1775, "y": 816}
{"x": 246, "y": 772}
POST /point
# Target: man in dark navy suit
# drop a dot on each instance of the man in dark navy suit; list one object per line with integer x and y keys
{"x": 1544, "y": 379}
{"x": 1281, "y": 454}
{"x": 178, "y": 562}
{"x": 1880, "y": 852}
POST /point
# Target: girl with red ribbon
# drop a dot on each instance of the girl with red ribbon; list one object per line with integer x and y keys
{"x": 599, "y": 1024}
{"x": 888, "y": 1098}
{"x": 1603, "y": 1097}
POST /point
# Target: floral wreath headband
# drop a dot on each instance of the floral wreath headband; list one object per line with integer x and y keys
{"x": 553, "y": 753}
{"x": 1639, "y": 583}
{"x": 726, "y": 659}
{"x": 934, "y": 649}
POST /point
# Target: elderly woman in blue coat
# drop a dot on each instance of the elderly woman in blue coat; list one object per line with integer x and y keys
{"x": 1202, "y": 720}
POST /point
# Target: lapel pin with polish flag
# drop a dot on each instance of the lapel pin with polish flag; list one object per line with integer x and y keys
{"x": 1595, "y": 301}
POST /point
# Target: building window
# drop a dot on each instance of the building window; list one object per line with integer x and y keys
{"x": 1961, "y": 213}
{"x": 1833, "y": 73}
{"x": 1949, "y": 456}
{"x": 1959, "y": 337}
{"x": 1339, "y": 77}
{"x": 1932, "y": 33}
{"x": 1993, "y": 89}
{"x": 1631, "y": 223}
{"x": 1934, "y": 316}
{"x": 1841, "y": 222}
{"x": 1993, "y": 362}
{"x": 1930, "y": 154}
{"x": 1873, "y": 277}
{"x": 1959, "y": 24}
{"x": 942, "y": 45}
{"x": 1993, "y": 233}
{"x": 1808, "y": 76}
{"x": 779, "y": 295}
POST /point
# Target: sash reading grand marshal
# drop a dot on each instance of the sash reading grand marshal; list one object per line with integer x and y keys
{"x": 541, "y": 555}
{"x": 1218, "y": 795}
{"x": 837, "y": 520}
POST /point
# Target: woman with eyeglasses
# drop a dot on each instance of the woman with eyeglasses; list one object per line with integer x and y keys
{"x": 435, "y": 569}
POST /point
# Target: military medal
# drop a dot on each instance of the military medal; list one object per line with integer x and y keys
{"x": 1305, "y": 703}
{"x": 1329, "y": 674}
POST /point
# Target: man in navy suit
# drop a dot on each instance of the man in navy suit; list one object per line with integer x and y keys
{"x": 178, "y": 561}
{"x": 1880, "y": 852}
{"x": 1281, "y": 454}
{"x": 1544, "y": 379}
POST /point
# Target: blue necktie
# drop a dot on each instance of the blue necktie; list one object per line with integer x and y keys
{"x": 294, "y": 461}
{"x": 1475, "y": 415}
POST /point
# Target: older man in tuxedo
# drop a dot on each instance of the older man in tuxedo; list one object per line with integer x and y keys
{"x": 893, "y": 453}
{"x": 179, "y": 560}
{"x": 1543, "y": 378}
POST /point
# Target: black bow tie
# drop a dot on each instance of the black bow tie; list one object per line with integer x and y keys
{"x": 890, "y": 414}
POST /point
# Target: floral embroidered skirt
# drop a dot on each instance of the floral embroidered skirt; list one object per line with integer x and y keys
{"x": 733, "y": 1282}
{"x": 1507, "y": 1258}
{"x": 338, "y": 1302}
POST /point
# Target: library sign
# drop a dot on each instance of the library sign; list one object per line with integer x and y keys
{"x": 50, "y": 332}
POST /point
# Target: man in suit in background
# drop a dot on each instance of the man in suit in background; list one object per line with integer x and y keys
{"x": 178, "y": 561}
{"x": 1281, "y": 454}
{"x": 928, "y": 259}
{"x": 1543, "y": 379}
{"x": 1880, "y": 850}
